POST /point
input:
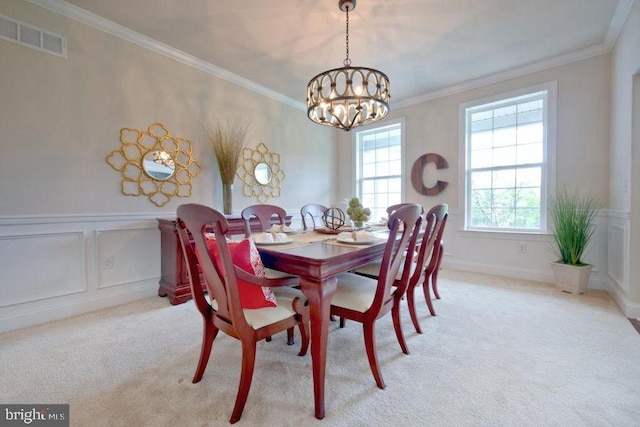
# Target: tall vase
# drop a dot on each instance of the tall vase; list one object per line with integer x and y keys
{"x": 227, "y": 196}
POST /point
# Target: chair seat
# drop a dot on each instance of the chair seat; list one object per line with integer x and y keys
{"x": 277, "y": 274}
{"x": 354, "y": 292}
{"x": 259, "y": 317}
{"x": 372, "y": 270}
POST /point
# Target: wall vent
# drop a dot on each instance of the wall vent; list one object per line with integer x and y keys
{"x": 27, "y": 35}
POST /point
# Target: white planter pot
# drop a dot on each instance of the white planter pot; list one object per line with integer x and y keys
{"x": 571, "y": 278}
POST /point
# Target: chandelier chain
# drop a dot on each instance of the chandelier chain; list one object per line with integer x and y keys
{"x": 347, "y": 61}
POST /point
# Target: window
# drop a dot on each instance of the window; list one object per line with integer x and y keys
{"x": 379, "y": 168}
{"x": 507, "y": 151}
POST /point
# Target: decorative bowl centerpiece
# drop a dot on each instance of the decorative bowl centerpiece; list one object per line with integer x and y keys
{"x": 358, "y": 214}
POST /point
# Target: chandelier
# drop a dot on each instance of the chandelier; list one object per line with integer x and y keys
{"x": 348, "y": 97}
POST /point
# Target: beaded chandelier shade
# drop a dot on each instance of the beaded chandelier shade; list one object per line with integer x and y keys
{"x": 348, "y": 97}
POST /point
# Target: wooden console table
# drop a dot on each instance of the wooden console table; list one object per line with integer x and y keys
{"x": 174, "y": 282}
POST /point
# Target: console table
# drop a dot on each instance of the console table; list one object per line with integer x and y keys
{"x": 174, "y": 282}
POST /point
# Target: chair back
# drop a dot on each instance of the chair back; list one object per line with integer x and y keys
{"x": 441, "y": 215}
{"x": 436, "y": 219}
{"x": 391, "y": 209}
{"x": 400, "y": 238}
{"x": 191, "y": 261}
{"x": 264, "y": 213}
{"x": 310, "y": 213}
{"x": 198, "y": 220}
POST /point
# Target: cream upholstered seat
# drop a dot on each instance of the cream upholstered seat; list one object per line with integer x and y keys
{"x": 225, "y": 310}
{"x": 260, "y": 317}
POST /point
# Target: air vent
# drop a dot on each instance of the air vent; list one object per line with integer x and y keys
{"x": 27, "y": 35}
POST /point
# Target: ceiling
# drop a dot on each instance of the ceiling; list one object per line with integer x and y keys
{"x": 426, "y": 47}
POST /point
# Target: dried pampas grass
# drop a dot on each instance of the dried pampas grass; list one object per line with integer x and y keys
{"x": 227, "y": 144}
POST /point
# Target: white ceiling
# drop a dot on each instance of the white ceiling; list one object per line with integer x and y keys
{"x": 426, "y": 47}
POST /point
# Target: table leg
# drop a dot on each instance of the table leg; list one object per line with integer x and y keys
{"x": 319, "y": 296}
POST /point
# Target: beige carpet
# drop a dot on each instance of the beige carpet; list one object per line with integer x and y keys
{"x": 501, "y": 352}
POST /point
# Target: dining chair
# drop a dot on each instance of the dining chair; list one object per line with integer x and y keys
{"x": 365, "y": 300}
{"x": 431, "y": 274}
{"x": 223, "y": 311}
{"x": 312, "y": 215}
{"x": 428, "y": 256}
{"x": 264, "y": 213}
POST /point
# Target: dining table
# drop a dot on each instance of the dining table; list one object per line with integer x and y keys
{"x": 317, "y": 258}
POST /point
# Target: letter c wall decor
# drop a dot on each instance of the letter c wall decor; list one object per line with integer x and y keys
{"x": 418, "y": 169}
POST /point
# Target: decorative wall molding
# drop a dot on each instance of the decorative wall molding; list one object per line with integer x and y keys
{"x": 129, "y": 253}
{"x": 618, "y": 244}
{"x": 53, "y": 270}
{"x": 41, "y": 266}
{"x": 81, "y": 218}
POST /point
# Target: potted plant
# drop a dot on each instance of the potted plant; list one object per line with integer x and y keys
{"x": 573, "y": 216}
{"x": 227, "y": 145}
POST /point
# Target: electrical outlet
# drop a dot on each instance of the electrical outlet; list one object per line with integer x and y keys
{"x": 107, "y": 262}
{"x": 522, "y": 248}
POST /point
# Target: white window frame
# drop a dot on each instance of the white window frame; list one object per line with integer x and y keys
{"x": 548, "y": 183}
{"x": 357, "y": 159}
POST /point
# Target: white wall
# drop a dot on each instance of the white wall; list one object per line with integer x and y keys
{"x": 582, "y": 161}
{"x": 62, "y": 212}
{"x": 625, "y": 166}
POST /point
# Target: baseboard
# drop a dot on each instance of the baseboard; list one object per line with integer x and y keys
{"x": 630, "y": 309}
{"x": 61, "y": 310}
{"x": 516, "y": 273}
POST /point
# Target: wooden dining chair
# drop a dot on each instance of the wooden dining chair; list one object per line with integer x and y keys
{"x": 223, "y": 311}
{"x": 442, "y": 214}
{"x": 312, "y": 215}
{"x": 366, "y": 300}
{"x": 430, "y": 250}
{"x": 264, "y": 213}
{"x": 428, "y": 256}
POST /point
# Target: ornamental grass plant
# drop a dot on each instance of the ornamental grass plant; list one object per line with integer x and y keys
{"x": 227, "y": 144}
{"x": 573, "y": 217}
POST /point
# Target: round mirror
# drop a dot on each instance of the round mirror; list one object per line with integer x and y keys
{"x": 158, "y": 165}
{"x": 262, "y": 173}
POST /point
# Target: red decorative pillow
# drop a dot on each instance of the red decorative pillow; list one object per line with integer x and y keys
{"x": 245, "y": 255}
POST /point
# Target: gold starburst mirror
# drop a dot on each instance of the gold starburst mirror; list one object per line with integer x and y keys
{"x": 154, "y": 164}
{"x": 260, "y": 173}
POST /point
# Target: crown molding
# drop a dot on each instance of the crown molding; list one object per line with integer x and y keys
{"x": 615, "y": 26}
{"x": 68, "y": 10}
{"x": 617, "y": 22}
{"x": 507, "y": 75}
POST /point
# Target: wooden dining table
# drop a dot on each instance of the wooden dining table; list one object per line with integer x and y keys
{"x": 318, "y": 259}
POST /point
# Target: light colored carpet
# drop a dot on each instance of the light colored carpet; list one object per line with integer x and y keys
{"x": 500, "y": 352}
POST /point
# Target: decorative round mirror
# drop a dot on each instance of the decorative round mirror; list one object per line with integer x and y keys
{"x": 158, "y": 165}
{"x": 262, "y": 173}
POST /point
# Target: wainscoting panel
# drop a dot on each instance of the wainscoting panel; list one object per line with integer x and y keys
{"x": 617, "y": 255}
{"x": 127, "y": 255}
{"x": 41, "y": 266}
{"x": 55, "y": 267}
